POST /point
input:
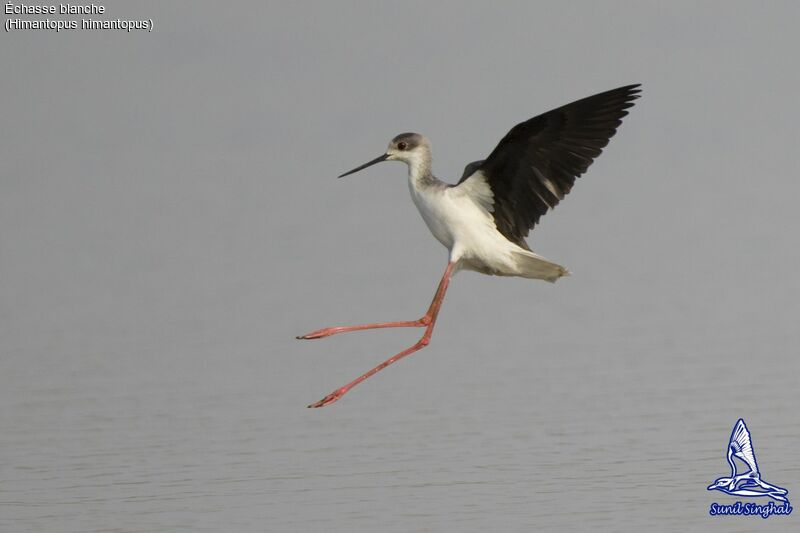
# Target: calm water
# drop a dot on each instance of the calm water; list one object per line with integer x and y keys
{"x": 603, "y": 431}
{"x": 170, "y": 220}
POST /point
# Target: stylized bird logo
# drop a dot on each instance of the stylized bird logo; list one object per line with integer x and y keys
{"x": 750, "y": 482}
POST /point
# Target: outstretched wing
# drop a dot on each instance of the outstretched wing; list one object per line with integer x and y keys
{"x": 742, "y": 446}
{"x": 537, "y": 162}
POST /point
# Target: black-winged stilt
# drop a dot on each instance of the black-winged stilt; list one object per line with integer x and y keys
{"x": 483, "y": 219}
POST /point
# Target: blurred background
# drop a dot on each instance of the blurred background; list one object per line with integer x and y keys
{"x": 170, "y": 220}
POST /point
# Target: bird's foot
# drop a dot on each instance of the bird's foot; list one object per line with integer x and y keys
{"x": 327, "y": 332}
{"x": 318, "y": 334}
{"x": 330, "y": 398}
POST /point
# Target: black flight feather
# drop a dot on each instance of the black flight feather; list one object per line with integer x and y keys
{"x": 535, "y": 165}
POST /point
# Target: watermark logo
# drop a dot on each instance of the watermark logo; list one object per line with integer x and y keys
{"x": 748, "y": 483}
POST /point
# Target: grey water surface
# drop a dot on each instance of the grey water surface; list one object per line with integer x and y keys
{"x": 170, "y": 220}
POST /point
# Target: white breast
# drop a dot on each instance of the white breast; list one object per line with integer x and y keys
{"x": 436, "y": 210}
{"x": 460, "y": 218}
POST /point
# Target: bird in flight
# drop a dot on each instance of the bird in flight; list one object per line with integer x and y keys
{"x": 484, "y": 218}
{"x": 748, "y": 483}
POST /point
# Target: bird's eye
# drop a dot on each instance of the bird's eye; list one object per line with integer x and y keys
{"x": 402, "y": 145}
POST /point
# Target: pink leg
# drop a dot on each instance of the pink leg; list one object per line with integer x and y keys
{"x": 428, "y": 320}
{"x": 422, "y": 322}
{"x": 327, "y": 332}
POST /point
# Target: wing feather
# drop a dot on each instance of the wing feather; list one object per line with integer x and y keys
{"x": 742, "y": 445}
{"x": 535, "y": 165}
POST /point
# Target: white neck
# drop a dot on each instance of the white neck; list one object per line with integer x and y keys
{"x": 419, "y": 168}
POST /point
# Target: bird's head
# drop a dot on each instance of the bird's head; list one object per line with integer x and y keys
{"x": 720, "y": 483}
{"x": 410, "y": 148}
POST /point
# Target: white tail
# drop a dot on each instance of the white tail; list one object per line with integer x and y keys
{"x": 535, "y": 266}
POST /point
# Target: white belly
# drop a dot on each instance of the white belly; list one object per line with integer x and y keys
{"x": 464, "y": 226}
{"x": 437, "y": 216}
{"x": 460, "y": 218}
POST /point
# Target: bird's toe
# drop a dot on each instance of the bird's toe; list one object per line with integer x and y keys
{"x": 329, "y": 399}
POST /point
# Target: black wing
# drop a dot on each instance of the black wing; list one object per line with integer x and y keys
{"x": 537, "y": 162}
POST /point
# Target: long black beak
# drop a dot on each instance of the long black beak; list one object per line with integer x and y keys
{"x": 365, "y": 165}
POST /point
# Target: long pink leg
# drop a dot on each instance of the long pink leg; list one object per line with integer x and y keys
{"x": 429, "y": 321}
{"x": 422, "y": 322}
{"x": 327, "y": 332}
